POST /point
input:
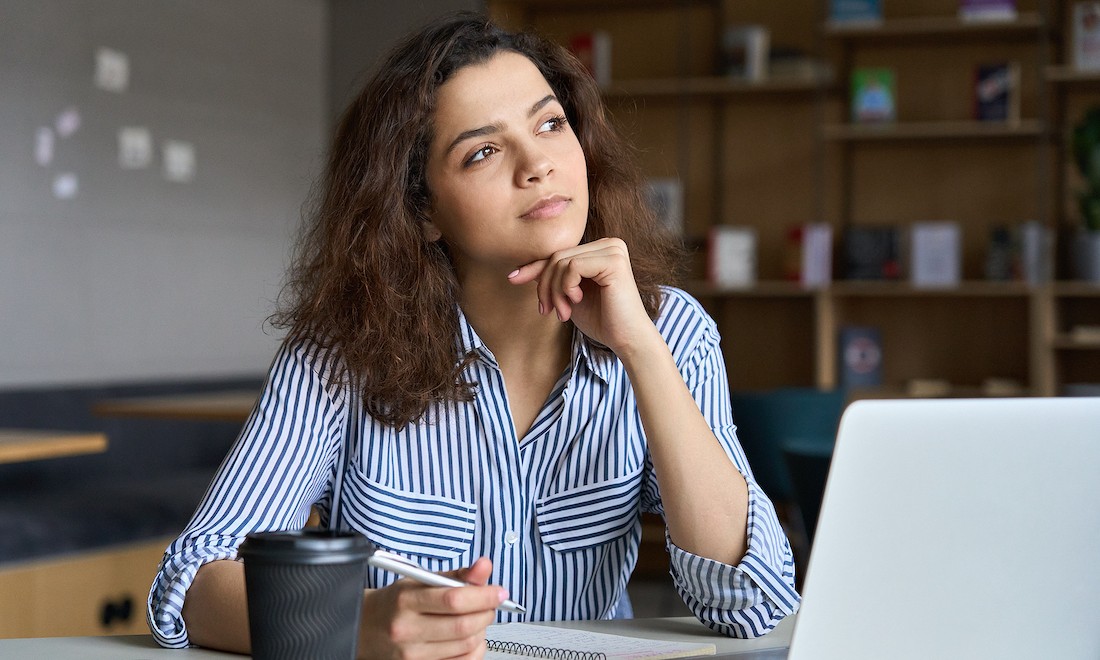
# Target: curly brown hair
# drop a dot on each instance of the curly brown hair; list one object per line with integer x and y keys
{"x": 367, "y": 288}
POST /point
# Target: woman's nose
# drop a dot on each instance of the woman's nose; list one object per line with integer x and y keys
{"x": 534, "y": 166}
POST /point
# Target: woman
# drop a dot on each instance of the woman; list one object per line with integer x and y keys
{"x": 483, "y": 369}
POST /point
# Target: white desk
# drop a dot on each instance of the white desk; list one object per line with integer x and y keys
{"x": 142, "y": 647}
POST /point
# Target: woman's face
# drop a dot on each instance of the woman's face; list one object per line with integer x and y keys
{"x": 505, "y": 171}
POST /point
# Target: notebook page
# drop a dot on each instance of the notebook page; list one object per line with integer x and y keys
{"x": 615, "y": 647}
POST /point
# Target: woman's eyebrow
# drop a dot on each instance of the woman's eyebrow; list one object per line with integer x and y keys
{"x": 496, "y": 127}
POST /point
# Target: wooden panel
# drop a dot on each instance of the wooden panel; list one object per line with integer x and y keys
{"x": 767, "y": 342}
{"x": 979, "y": 186}
{"x": 67, "y": 596}
{"x": 964, "y": 340}
{"x": 764, "y": 187}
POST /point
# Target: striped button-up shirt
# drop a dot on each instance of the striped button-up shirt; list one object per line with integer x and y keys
{"x": 557, "y": 511}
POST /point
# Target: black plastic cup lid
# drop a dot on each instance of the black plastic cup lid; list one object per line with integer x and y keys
{"x": 306, "y": 546}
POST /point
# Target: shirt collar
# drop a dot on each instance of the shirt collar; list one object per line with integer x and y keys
{"x": 584, "y": 351}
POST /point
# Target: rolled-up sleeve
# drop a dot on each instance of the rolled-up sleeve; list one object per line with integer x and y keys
{"x": 749, "y": 599}
{"x": 280, "y": 464}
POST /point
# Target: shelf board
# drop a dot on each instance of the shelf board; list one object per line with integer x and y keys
{"x": 953, "y": 392}
{"x": 1067, "y": 342}
{"x": 864, "y": 289}
{"x": 935, "y": 130}
{"x": 899, "y": 289}
{"x": 1026, "y": 23}
{"x": 1077, "y": 289}
{"x": 1069, "y": 74}
{"x": 715, "y": 86}
{"x": 762, "y": 289}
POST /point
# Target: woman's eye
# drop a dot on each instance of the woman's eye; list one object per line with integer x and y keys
{"x": 553, "y": 124}
{"x": 481, "y": 154}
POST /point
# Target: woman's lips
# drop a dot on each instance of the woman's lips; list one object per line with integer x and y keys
{"x": 551, "y": 207}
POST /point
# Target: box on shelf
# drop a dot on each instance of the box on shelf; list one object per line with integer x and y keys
{"x": 1086, "y": 36}
{"x": 871, "y": 253}
{"x": 873, "y": 95}
{"x": 666, "y": 198}
{"x": 935, "y": 254}
{"x": 593, "y": 49}
{"x": 1036, "y": 246}
{"x": 859, "y": 12}
{"x": 987, "y": 10}
{"x": 860, "y": 360}
{"x": 810, "y": 254}
{"x": 731, "y": 256}
{"x": 1000, "y": 258}
{"x": 997, "y": 92}
{"x": 745, "y": 51}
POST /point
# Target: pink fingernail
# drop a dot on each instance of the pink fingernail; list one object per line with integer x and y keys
{"x": 513, "y": 273}
{"x": 503, "y": 595}
{"x": 558, "y": 314}
{"x": 540, "y": 308}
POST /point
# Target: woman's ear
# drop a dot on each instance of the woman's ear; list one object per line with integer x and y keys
{"x": 430, "y": 231}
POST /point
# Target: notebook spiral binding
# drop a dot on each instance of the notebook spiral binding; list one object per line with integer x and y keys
{"x": 532, "y": 651}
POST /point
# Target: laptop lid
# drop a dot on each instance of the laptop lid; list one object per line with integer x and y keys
{"x": 958, "y": 529}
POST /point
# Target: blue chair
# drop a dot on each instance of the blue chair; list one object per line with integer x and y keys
{"x": 798, "y": 421}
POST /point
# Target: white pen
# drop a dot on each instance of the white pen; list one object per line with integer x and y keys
{"x": 404, "y": 567}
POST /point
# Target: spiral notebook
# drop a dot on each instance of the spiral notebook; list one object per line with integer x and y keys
{"x": 511, "y": 641}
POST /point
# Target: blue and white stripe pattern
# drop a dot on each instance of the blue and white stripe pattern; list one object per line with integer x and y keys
{"x": 556, "y": 511}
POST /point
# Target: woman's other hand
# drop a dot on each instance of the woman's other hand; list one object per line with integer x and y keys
{"x": 408, "y": 620}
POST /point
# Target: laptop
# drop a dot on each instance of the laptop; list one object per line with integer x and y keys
{"x": 957, "y": 529}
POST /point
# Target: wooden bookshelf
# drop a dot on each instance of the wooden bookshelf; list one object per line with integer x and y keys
{"x": 781, "y": 151}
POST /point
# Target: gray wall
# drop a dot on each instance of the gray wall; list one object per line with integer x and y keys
{"x": 139, "y": 278}
{"x": 362, "y": 31}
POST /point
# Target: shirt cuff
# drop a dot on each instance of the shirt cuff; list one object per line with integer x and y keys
{"x": 164, "y": 607}
{"x": 721, "y": 595}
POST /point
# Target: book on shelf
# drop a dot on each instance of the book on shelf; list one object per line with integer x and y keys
{"x": 927, "y": 388}
{"x": 731, "y": 256}
{"x": 860, "y": 360}
{"x": 810, "y": 254}
{"x": 1036, "y": 246}
{"x": 987, "y": 10}
{"x": 593, "y": 49}
{"x": 873, "y": 95}
{"x": 1001, "y": 264}
{"x": 871, "y": 253}
{"x": 666, "y": 197}
{"x": 935, "y": 254}
{"x": 1086, "y": 36}
{"x": 855, "y": 12}
{"x": 1020, "y": 253}
{"x": 796, "y": 64}
{"x": 745, "y": 51}
{"x": 997, "y": 92}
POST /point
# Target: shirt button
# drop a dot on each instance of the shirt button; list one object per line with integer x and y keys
{"x": 511, "y": 537}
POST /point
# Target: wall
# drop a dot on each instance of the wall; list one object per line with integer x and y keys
{"x": 138, "y": 277}
{"x": 362, "y": 32}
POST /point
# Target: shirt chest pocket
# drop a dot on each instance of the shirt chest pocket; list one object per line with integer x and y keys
{"x": 590, "y": 515}
{"x": 413, "y": 524}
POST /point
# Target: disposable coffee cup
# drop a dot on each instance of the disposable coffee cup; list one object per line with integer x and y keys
{"x": 305, "y": 593}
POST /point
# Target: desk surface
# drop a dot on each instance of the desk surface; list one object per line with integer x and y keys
{"x": 226, "y": 406}
{"x": 142, "y": 647}
{"x": 18, "y": 445}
